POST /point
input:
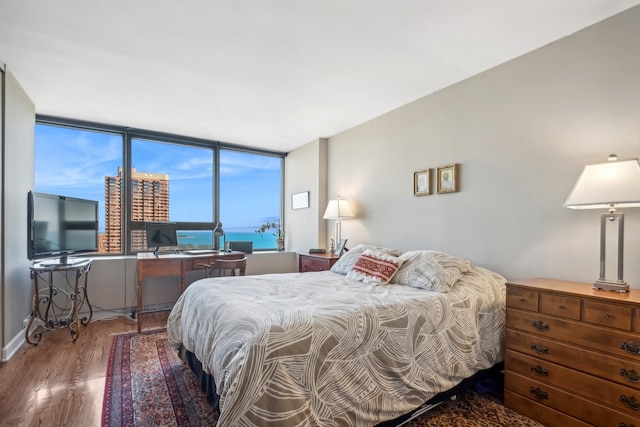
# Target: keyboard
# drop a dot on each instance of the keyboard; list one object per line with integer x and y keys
{"x": 201, "y": 251}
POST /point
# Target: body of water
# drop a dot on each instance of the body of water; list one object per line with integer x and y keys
{"x": 203, "y": 239}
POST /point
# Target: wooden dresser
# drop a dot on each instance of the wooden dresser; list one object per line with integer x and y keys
{"x": 316, "y": 262}
{"x": 572, "y": 354}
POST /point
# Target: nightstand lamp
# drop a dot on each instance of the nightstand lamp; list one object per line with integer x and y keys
{"x": 338, "y": 209}
{"x": 611, "y": 185}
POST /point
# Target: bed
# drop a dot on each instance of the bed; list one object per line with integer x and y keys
{"x": 374, "y": 338}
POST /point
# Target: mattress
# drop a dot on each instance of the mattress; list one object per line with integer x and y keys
{"x": 321, "y": 349}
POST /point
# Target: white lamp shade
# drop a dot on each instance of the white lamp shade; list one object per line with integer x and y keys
{"x": 338, "y": 209}
{"x": 607, "y": 185}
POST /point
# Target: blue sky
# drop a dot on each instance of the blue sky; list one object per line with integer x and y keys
{"x": 74, "y": 163}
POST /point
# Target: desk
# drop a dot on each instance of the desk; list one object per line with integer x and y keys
{"x": 150, "y": 265}
{"x": 56, "y": 315}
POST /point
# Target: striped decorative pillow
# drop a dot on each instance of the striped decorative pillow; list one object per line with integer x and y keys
{"x": 348, "y": 260}
{"x": 431, "y": 270}
{"x": 375, "y": 267}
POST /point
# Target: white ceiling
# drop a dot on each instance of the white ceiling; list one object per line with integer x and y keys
{"x": 265, "y": 73}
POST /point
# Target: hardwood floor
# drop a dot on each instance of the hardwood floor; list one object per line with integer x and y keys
{"x": 60, "y": 382}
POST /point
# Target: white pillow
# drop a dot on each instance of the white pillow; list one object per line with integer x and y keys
{"x": 431, "y": 270}
{"x": 375, "y": 267}
{"x": 347, "y": 261}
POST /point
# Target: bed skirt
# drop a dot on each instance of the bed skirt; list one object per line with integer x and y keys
{"x": 207, "y": 383}
{"x": 208, "y": 386}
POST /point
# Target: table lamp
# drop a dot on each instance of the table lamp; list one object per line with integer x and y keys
{"x": 338, "y": 209}
{"x": 611, "y": 185}
{"x": 217, "y": 232}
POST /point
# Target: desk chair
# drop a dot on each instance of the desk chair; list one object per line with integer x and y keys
{"x": 223, "y": 266}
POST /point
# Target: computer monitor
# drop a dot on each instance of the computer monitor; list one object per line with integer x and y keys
{"x": 241, "y": 246}
{"x": 161, "y": 234}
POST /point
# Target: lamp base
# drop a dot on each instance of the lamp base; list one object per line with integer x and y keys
{"x": 608, "y": 285}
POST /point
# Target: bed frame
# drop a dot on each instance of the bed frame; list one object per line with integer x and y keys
{"x": 208, "y": 385}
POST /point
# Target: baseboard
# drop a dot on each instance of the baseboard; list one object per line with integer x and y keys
{"x": 13, "y": 346}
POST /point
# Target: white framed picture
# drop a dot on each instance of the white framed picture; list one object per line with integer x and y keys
{"x": 300, "y": 200}
{"x": 422, "y": 182}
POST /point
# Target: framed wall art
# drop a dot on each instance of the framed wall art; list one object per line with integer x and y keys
{"x": 422, "y": 182}
{"x": 447, "y": 179}
{"x": 300, "y": 200}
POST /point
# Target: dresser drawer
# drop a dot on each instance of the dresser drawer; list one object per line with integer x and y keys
{"x": 536, "y": 411}
{"x": 320, "y": 262}
{"x": 612, "y": 315}
{"x": 567, "y": 402}
{"x": 621, "y": 343}
{"x": 519, "y": 298}
{"x": 562, "y": 306}
{"x": 616, "y": 369}
{"x": 308, "y": 264}
{"x": 591, "y": 387}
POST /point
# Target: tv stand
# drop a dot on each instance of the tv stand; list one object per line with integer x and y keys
{"x": 47, "y": 310}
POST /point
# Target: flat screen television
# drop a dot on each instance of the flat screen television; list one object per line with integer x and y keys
{"x": 60, "y": 226}
{"x": 161, "y": 234}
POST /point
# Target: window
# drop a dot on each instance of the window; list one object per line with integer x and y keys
{"x": 249, "y": 196}
{"x": 172, "y": 182}
{"x": 170, "y": 178}
{"x": 74, "y": 162}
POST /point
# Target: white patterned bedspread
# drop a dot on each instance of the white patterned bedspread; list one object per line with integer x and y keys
{"x": 317, "y": 349}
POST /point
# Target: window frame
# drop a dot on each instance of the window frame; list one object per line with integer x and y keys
{"x": 129, "y": 134}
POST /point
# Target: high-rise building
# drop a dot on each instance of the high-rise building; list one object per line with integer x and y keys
{"x": 150, "y": 202}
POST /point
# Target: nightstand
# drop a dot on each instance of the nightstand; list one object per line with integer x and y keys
{"x": 316, "y": 262}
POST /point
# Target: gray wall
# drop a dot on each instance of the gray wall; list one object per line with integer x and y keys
{"x": 306, "y": 170}
{"x": 522, "y": 133}
{"x": 17, "y": 170}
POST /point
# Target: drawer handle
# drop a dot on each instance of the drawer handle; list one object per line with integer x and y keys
{"x": 539, "y": 348}
{"x": 539, "y": 370}
{"x": 606, "y": 316}
{"x": 631, "y": 347}
{"x": 631, "y": 375}
{"x": 539, "y": 393}
{"x": 631, "y": 402}
{"x": 540, "y": 325}
{"x": 626, "y": 425}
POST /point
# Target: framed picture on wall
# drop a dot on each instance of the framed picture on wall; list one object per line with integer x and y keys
{"x": 422, "y": 182}
{"x": 447, "y": 178}
{"x": 300, "y": 200}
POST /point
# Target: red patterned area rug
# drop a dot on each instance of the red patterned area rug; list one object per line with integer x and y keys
{"x": 148, "y": 385}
